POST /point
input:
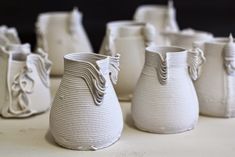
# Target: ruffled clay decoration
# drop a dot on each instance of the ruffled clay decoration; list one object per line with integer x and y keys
{"x": 8, "y": 36}
{"x": 86, "y": 104}
{"x": 229, "y": 56}
{"x": 22, "y": 86}
{"x": 114, "y": 68}
{"x": 162, "y": 71}
{"x": 196, "y": 59}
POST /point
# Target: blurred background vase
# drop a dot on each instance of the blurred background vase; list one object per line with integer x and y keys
{"x": 186, "y": 37}
{"x": 59, "y": 33}
{"x": 25, "y": 83}
{"x": 162, "y": 17}
{"x": 216, "y": 86}
{"x": 129, "y": 39}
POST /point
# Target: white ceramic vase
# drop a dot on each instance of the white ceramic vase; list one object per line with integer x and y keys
{"x": 128, "y": 38}
{"x": 165, "y": 100}
{"x": 161, "y": 17}
{"x": 216, "y": 86}
{"x": 8, "y": 36}
{"x": 186, "y": 37}
{"x": 24, "y": 86}
{"x": 59, "y": 33}
{"x": 86, "y": 114}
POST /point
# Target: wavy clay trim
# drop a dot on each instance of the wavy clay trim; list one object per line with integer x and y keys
{"x": 93, "y": 78}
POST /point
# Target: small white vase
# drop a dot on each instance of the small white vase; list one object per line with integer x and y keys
{"x": 86, "y": 114}
{"x": 165, "y": 100}
{"x": 128, "y": 38}
{"x": 59, "y": 33}
{"x": 24, "y": 86}
{"x": 8, "y": 36}
{"x": 186, "y": 37}
{"x": 216, "y": 86}
{"x": 161, "y": 17}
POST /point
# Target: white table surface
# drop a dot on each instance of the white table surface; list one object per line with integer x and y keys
{"x": 29, "y": 137}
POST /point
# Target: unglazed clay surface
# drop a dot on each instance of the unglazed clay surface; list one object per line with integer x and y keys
{"x": 59, "y": 33}
{"x": 186, "y": 37}
{"x": 216, "y": 86}
{"x": 161, "y": 17}
{"x": 86, "y": 114}
{"x": 24, "y": 81}
{"x": 8, "y": 36}
{"x": 165, "y": 100}
{"x": 128, "y": 38}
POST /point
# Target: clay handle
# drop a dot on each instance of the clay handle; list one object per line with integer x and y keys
{"x": 196, "y": 60}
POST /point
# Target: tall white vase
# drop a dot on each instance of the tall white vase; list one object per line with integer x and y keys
{"x": 216, "y": 86}
{"x": 165, "y": 100}
{"x": 59, "y": 33}
{"x": 86, "y": 114}
{"x": 24, "y": 86}
{"x": 161, "y": 17}
{"x": 128, "y": 38}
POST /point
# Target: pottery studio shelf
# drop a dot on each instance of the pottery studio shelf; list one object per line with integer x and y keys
{"x": 30, "y": 138}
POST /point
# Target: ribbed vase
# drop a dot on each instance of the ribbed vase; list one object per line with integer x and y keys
{"x": 86, "y": 114}
{"x": 165, "y": 100}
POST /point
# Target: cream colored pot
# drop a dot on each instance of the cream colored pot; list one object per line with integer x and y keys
{"x": 185, "y": 38}
{"x": 165, "y": 99}
{"x": 161, "y": 17}
{"x": 86, "y": 114}
{"x": 216, "y": 86}
{"x": 128, "y": 38}
{"x": 59, "y": 33}
{"x": 24, "y": 86}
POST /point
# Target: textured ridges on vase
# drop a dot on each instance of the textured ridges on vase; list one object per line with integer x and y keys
{"x": 165, "y": 102}
{"x": 196, "y": 59}
{"x": 114, "y": 68}
{"x": 229, "y": 56}
{"x": 86, "y": 114}
{"x": 162, "y": 72}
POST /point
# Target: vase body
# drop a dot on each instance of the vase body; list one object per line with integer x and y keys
{"x": 185, "y": 38}
{"x": 129, "y": 39}
{"x": 86, "y": 114}
{"x": 165, "y": 100}
{"x": 24, "y": 82}
{"x": 60, "y": 33}
{"x": 216, "y": 86}
{"x": 162, "y": 17}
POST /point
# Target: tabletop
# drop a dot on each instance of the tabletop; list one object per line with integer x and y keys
{"x": 30, "y": 137}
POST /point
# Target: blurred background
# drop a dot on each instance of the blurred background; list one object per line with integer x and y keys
{"x": 216, "y": 16}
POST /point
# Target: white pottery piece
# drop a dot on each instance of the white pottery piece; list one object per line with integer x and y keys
{"x": 86, "y": 114}
{"x": 128, "y": 38}
{"x": 161, "y": 17}
{"x": 24, "y": 86}
{"x": 165, "y": 100}
{"x": 186, "y": 37}
{"x": 8, "y": 36}
{"x": 216, "y": 86}
{"x": 59, "y": 33}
